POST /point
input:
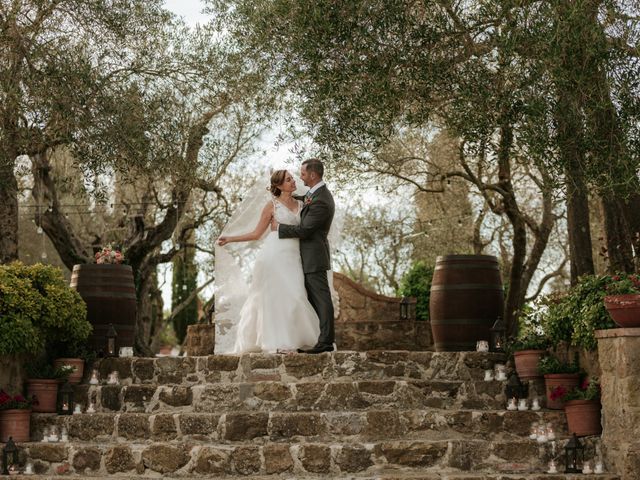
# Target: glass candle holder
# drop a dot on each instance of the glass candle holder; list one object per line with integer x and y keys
{"x": 512, "y": 405}
{"x": 535, "y": 404}
{"x": 95, "y": 378}
{"x": 488, "y": 375}
{"x": 552, "y": 467}
{"x": 522, "y": 404}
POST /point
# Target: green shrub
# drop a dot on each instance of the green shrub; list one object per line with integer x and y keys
{"x": 38, "y": 310}
{"x": 417, "y": 283}
{"x": 573, "y": 317}
{"x": 551, "y": 364}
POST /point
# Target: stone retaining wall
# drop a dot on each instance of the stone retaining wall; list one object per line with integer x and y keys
{"x": 370, "y": 321}
{"x": 619, "y": 351}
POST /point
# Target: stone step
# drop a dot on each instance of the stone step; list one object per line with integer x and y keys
{"x": 405, "y": 475}
{"x": 371, "y": 365}
{"x": 278, "y": 395}
{"x": 261, "y": 427}
{"x": 481, "y": 458}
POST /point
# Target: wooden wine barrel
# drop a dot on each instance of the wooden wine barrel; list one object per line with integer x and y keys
{"x": 466, "y": 298}
{"x": 110, "y": 295}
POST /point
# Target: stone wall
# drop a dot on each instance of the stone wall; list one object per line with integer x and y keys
{"x": 619, "y": 352}
{"x": 369, "y": 321}
{"x": 12, "y": 373}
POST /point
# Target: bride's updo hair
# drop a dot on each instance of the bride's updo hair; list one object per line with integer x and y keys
{"x": 277, "y": 179}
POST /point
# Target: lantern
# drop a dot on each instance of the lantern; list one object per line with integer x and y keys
{"x": 497, "y": 336}
{"x": 515, "y": 388}
{"x": 66, "y": 400}
{"x": 9, "y": 456}
{"x": 574, "y": 455}
{"x": 111, "y": 344}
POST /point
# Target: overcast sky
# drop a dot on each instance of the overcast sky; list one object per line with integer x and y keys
{"x": 189, "y": 9}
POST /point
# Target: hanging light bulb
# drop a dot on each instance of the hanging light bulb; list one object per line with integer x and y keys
{"x": 39, "y": 230}
{"x": 184, "y": 286}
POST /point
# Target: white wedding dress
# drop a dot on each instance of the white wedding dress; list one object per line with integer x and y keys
{"x": 277, "y": 314}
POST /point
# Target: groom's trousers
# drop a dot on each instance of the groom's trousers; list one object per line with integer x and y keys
{"x": 319, "y": 294}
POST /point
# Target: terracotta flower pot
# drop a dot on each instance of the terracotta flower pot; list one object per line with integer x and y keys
{"x": 527, "y": 363}
{"x": 15, "y": 423}
{"x": 46, "y": 393}
{"x": 583, "y": 417}
{"x": 624, "y": 309}
{"x": 568, "y": 381}
{"x": 77, "y": 363}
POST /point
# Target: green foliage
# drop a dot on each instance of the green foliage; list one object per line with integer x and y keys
{"x": 417, "y": 283}
{"x": 43, "y": 370}
{"x": 573, "y": 317}
{"x": 530, "y": 332}
{"x": 38, "y": 310}
{"x": 551, "y": 364}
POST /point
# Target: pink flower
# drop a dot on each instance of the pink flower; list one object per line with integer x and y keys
{"x": 557, "y": 393}
{"x": 585, "y": 384}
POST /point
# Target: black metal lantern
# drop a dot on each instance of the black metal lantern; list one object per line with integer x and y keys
{"x": 112, "y": 342}
{"x": 574, "y": 455}
{"x": 9, "y": 456}
{"x": 498, "y": 336}
{"x": 515, "y": 388}
{"x": 66, "y": 400}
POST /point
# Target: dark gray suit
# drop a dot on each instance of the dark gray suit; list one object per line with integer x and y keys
{"x": 315, "y": 222}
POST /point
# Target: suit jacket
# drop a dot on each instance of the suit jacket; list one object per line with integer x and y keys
{"x": 315, "y": 222}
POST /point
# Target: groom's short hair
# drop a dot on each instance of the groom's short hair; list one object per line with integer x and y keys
{"x": 314, "y": 165}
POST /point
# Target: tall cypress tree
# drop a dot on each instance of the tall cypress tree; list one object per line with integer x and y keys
{"x": 185, "y": 273}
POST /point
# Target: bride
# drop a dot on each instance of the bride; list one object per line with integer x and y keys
{"x": 276, "y": 315}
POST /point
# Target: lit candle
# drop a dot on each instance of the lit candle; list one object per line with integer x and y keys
{"x": 535, "y": 405}
{"x": 512, "y": 404}
{"x": 551, "y": 434}
{"x": 552, "y": 467}
{"x": 91, "y": 408}
{"x": 534, "y": 431}
{"x": 488, "y": 375}
{"x": 586, "y": 468}
{"x": 599, "y": 468}
{"x": 94, "y": 378}
{"x": 542, "y": 434}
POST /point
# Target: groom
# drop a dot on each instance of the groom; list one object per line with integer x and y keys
{"x": 315, "y": 221}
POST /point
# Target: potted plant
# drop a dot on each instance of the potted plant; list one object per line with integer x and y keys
{"x": 42, "y": 384}
{"x": 582, "y": 408}
{"x": 623, "y": 300}
{"x": 15, "y": 417}
{"x": 73, "y": 354}
{"x": 559, "y": 378}
{"x": 527, "y": 352}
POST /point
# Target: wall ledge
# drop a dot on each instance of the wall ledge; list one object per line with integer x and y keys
{"x": 617, "y": 332}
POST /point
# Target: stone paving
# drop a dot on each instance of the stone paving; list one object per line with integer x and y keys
{"x": 376, "y": 414}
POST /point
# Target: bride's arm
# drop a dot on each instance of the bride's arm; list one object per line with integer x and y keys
{"x": 263, "y": 223}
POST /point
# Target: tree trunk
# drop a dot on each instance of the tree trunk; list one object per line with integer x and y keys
{"x": 8, "y": 211}
{"x": 619, "y": 251}
{"x": 570, "y": 133}
{"x": 580, "y": 246}
{"x": 515, "y": 294}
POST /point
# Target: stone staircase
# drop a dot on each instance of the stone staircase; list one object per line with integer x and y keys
{"x": 376, "y": 414}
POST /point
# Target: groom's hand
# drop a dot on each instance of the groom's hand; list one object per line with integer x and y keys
{"x": 274, "y": 225}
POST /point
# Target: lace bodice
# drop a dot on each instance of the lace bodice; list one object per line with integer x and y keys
{"x": 283, "y": 215}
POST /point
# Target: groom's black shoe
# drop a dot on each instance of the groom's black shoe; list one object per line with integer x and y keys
{"x": 318, "y": 348}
